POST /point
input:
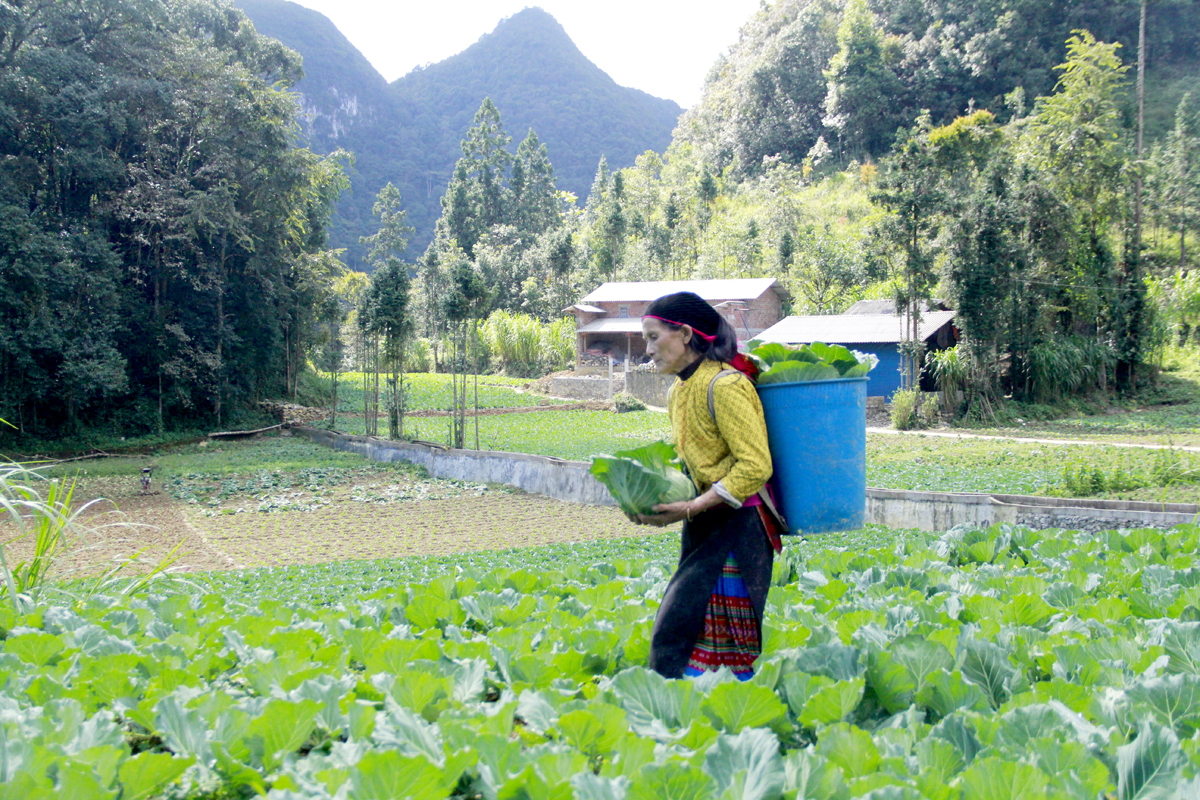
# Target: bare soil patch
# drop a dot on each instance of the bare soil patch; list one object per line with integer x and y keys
{"x": 368, "y": 517}
{"x": 349, "y": 531}
{"x": 120, "y": 527}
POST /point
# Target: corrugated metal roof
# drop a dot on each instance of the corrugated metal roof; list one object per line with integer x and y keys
{"x": 889, "y": 307}
{"x": 645, "y": 291}
{"x": 585, "y": 309}
{"x": 613, "y": 325}
{"x": 851, "y": 329}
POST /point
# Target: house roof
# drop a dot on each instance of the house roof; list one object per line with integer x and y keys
{"x": 613, "y": 325}
{"x": 852, "y": 329}
{"x": 585, "y": 309}
{"x": 889, "y": 307}
{"x": 632, "y": 292}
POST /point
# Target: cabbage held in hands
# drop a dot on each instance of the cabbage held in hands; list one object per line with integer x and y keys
{"x": 644, "y": 477}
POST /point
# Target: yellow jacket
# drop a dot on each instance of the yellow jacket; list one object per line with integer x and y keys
{"x": 730, "y": 453}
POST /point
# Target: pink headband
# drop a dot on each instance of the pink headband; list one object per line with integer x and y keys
{"x": 705, "y": 336}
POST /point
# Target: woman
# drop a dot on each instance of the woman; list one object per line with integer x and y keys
{"x": 711, "y": 614}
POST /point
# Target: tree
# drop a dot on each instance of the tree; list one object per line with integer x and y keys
{"x": 476, "y": 199}
{"x": 828, "y": 267}
{"x": 534, "y": 203}
{"x": 162, "y": 243}
{"x": 863, "y": 90}
{"x": 1077, "y": 131}
{"x": 1182, "y": 171}
{"x": 386, "y": 311}
{"x": 911, "y": 189}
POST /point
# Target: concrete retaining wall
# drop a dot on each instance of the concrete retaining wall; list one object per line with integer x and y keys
{"x": 589, "y": 388}
{"x": 553, "y": 477}
{"x": 930, "y": 511}
{"x": 650, "y": 387}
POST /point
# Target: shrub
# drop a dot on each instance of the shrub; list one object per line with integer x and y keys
{"x": 627, "y": 402}
{"x": 417, "y": 356}
{"x": 904, "y": 403}
{"x": 931, "y": 408}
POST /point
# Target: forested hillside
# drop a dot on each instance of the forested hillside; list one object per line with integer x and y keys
{"x": 408, "y": 133}
{"x": 904, "y": 150}
{"x": 789, "y": 79}
{"x": 161, "y": 239}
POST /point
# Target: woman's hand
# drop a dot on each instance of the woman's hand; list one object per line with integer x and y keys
{"x": 666, "y": 514}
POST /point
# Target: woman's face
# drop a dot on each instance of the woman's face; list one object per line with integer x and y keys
{"x": 667, "y": 347}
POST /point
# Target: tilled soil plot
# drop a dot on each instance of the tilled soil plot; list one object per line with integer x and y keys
{"x": 364, "y": 518}
{"x": 352, "y": 531}
{"x": 114, "y": 530}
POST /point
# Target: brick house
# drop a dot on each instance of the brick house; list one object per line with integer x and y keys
{"x": 609, "y": 320}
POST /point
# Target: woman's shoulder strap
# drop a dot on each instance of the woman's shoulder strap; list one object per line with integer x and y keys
{"x": 712, "y": 401}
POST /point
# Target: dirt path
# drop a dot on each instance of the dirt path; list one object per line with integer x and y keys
{"x": 1031, "y": 440}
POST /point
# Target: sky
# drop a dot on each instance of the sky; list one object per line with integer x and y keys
{"x": 663, "y": 47}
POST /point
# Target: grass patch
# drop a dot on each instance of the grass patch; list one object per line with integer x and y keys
{"x": 941, "y": 464}
{"x": 431, "y": 392}
{"x": 1166, "y": 413}
{"x": 573, "y": 435}
{"x": 219, "y": 457}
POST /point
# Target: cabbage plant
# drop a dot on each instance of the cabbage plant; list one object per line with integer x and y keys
{"x": 644, "y": 477}
{"x": 818, "y": 361}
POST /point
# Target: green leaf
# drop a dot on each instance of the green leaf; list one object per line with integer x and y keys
{"x": 410, "y": 734}
{"x": 34, "y": 648}
{"x": 594, "y": 787}
{"x": 987, "y": 666}
{"x": 1028, "y": 610}
{"x": 1151, "y": 766}
{"x": 812, "y": 777}
{"x": 833, "y": 703}
{"x": 940, "y": 758}
{"x": 946, "y": 692}
{"x": 746, "y": 766}
{"x": 147, "y": 774}
{"x": 849, "y": 747}
{"x": 283, "y": 727}
{"x": 773, "y": 353}
{"x": 798, "y": 687}
{"x": 1174, "y": 699}
{"x": 671, "y": 781}
{"x": 997, "y": 779}
{"x": 1017, "y": 728}
{"x": 390, "y": 775}
{"x": 893, "y": 685}
{"x": 653, "y": 704}
{"x": 183, "y": 730}
{"x": 831, "y": 659}
{"x": 733, "y": 706}
{"x": 798, "y": 372}
{"x": 641, "y": 478}
{"x": 595, "y": 730}
{"x": 1182, "y": 643}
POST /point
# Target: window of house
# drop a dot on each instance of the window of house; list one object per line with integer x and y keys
{"x": 624, "y": 312}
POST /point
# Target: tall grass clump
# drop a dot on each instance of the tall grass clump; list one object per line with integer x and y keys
{"x": 903, "y": 409}
{"x": 39, "y": 510}
{"x": 950, "y": 372}
{"x": 1067, "y": 366}
{"x": 43, "y": 511}
{"x": 524, "y": 346}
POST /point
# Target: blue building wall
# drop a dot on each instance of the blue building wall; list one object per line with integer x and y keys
{"x": 885, "y": 378}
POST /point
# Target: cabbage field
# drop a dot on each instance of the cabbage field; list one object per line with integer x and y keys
{"x": 976, "y": 664}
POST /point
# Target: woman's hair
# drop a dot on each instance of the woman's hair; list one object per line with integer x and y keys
{"x": 718, "y": 342}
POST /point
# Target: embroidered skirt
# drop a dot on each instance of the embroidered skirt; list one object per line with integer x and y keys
{"x": 730, "y": 636}
{"x": 711, "y": 613}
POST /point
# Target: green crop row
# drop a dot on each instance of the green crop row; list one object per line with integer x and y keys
{"x": 997, "y": 663}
